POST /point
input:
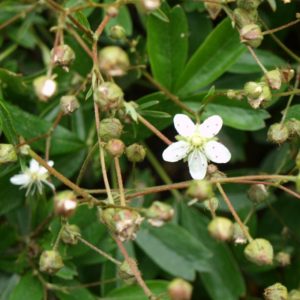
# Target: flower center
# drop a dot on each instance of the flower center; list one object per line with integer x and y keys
{"x": 197, "y": 140}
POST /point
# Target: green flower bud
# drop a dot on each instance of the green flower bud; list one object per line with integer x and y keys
{"x": 273, "y": 79}
{"x": 126, "y": 273}
{"x": 283, "y": 258}
{"x": 276, "y": 291}
{"x": 50, "y": 262}
{"x": 278, "y": 133}
{"x": 63, "y": 55}
{"x": 44, "y": 87}
{"x": 112, "y": 11}
{"x": 117, "y": 32}
{"x": 243, "y": 17}
{"x": 293, "y": 126}
{"x": 65, "y": 203}
{"x": 150, "y": 5}
{"x": 260, "y": 252}
{"x": 179, "y": 289}
{"x": 159, "y": 213}
{"x": 136, "y": 153}
{"x": 115, "y": 147}
{"x": 221, "y": 229}
{"x": 7, "y": 153}
{"x": 108, "y": 96}
{"x": 294, "y": 295}
{"x": 251, "y": 35}
{"x": 200, "y": 189}
{"x": 257, "y": 93}
{"x": 68, "y": 104}
{"x": 249, "y": 4}
{"x": 70, "y": 234}
{"x": 110, "y": 128}
{"x": 258, "y": 193}
{"x": 238, "y": 234}
{"x": 114, "y": 61}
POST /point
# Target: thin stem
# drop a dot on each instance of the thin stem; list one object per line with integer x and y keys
{"x": 154, "y": 130}
{"x": 56, "y": 244}
{"x": 281, "y": 27}
{"x": 257, "y": 59}
{"x": 292, "y": 92}
{"x": 120, "y": 181}
{"x": 234, "y": 213}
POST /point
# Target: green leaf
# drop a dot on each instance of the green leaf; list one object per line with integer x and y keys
{"x": 214, "y": 56}
{"x": 224, "y": 279}
{"x": 29, "y": 288}
{"x": 134, "y": 292}
{"x": 180, "y": 254}
{"x": 7, "y": 284}
{"x": 293, "y": 112}
{"x": 167, "y": 46}
{"x": 82, "y": 19}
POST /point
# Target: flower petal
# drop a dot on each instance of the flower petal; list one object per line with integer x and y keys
{"x": 184, "y": 125}
{"x": 20, "y": 179}
{"x": 176, "y": 151}
{"x": 211, "y": 126}
{"x": 34, "y": 166}
{"x": 217, "y": 152}
{"x": 197, "y": 164}
{"x": 43, "y": 170}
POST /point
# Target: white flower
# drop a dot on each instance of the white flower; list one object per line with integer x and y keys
{"x": 33, "y": 177}
{"x": 197, "y": 143}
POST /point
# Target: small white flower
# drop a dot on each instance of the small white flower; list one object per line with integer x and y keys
{"x": 197, "y": 143}
{"x": 33, "y": 178}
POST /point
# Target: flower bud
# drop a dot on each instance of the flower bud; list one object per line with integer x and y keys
{"x": 249, "y": 4}
{"x": 117, "y": 32}
{"x": 65, "y": 203}
{"x": 238, "y": 234}
{"x": 44, "y": 87}
{"x": 257, "y": 93}
{"x": 50, "y": 261}
{"x": 278, "y": 133}
{"x": 294, "y": 295}
{"x": 180, "y": 289}
{"x": 221, "y": 228}
{"x": 68, "y": 104}
{"x": 243, "y": 17}
{"x": 112, "y": 11}
{"x": 283, "y": 258}
{"x": 273, "y": 79}
{"x": 258, "y": 193}
{"x": 115, "y": 147}
{"x": 123, "y": 222}
{"x": 126, "y": 273}
{"x": 114, "y": 61}
{"x": 110, "y": 128}
{"x": 108, "y": 96}
{"x": 7, "y": 153}
{"x": 150, "y": 5}
{"x": 276, "y": 291}
{"x": 211, "y": 204}
{"x": 251, "y": 35}
{"x": 260, "y": 252}
{"x": 70, "y": 234}
{"x": 135, "y": 153}
{"x": 287, "y": 74}
{"x": 159, "y": 213}
{"x": 63, "y": 55}
{"x": 293, "y": 126}
{"x": 200, "y": 189}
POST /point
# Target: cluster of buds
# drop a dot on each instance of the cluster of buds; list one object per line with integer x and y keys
{"x": 44, "y": 87}
{"x": 135, "y": 153}
{"x": 179, "y": 289}
{"x": 124, "y": 223}
{"x": 110, "y": 128}
{"x": 68, "y": 104}
{"x": 260, "y": 252}
{"x": 50, "y": 261}
{"x": 70, "y": 234}
{"x": 221, "y": 229}
{"x": 276, "y": 291}
{"x": 65, "y": 203}
{"x": 125, "y": 272}
{"x": 159, "y": 213}
{"x": 7, "y": 153}
{"x": 63, "y": 55}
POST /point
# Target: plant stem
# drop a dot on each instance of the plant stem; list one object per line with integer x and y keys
{"x": 281, "y": 27}
{"x": 257, "y": 59}
{"x": 120, "y": 181}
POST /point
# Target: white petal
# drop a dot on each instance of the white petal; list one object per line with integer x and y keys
{"x": 20, "y": 179}
{"x": 34, "y": 166}
{"x": 43, "y": 170}
{"x": 176, "y": 151}
{"x": 217, "y": 152}
{"x": 197, "y": 164}
{"x": 184, "y": 125}
{"x": 211, "y": 126}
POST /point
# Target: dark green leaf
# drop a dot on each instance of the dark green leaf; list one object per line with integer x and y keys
{"x": 294, "y": 112}
{"x": 82, "y": 19}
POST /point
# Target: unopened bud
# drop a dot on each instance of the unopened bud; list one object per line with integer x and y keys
{"x": 243, "y": 17}
{"x": 287, "y": 74}
{"x": 117, "y": 32}
{"x": 200, "y": 189}
{"x": 108, "y": 96}
{"x": 112, "y": 11}
{"x": 110, "y": 128}
{"x": 294, "y": 295}
{"x": 251, "y": 35}
{"x": 136, "y": 153}
{"x": 150, "y": 5}
{"x": 293, "y": 126}
{"x": 221, "y": 228}
{"x": 115, "y": 147}
{"x": 44, "y": 87}
{"x": 50, "y": 261}
{"x": 63, "y": 55}
{"x": 273, "y": 79}
{"x": 159, "y": 213}
{"x": 283, "y": 258}
{"x": 65, "y": 203}
{"x": 7, "y": 153}
{"x": 68, "y": 104}
{"x": 278, "y": 133}
{"x": 257, "y": 93}
{"x": 125, "y": 272}
{"x": 179, "y": 289}
{"x": 114, "y": 61}
{"x": 249, "y": 4}
{"x": 258, "y": 193}
{"x": 276, "y": 291}
{"x": 260, "y": 252}
{"x": 70, "y": 234}
{"x": 239, "y": 236}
